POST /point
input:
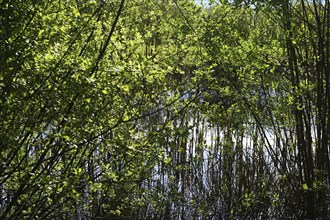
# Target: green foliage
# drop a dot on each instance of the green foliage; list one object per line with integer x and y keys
{"x": 164, "y": 109}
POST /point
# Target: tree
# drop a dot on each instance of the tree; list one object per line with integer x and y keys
{"x": 164, "y": 110}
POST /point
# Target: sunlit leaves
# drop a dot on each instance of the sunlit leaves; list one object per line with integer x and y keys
{"x": 125, "y": 133}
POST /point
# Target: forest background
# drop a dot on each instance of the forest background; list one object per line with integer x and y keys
{"x": 164, "y": 109}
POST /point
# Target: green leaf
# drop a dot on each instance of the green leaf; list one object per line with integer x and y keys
{"x": 304, "y": 186}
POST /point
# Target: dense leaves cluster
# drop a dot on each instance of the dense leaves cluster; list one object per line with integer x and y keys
{"x": 164, "y": 109}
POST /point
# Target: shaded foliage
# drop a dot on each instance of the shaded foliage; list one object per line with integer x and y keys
{"x": 164, "y": 110}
